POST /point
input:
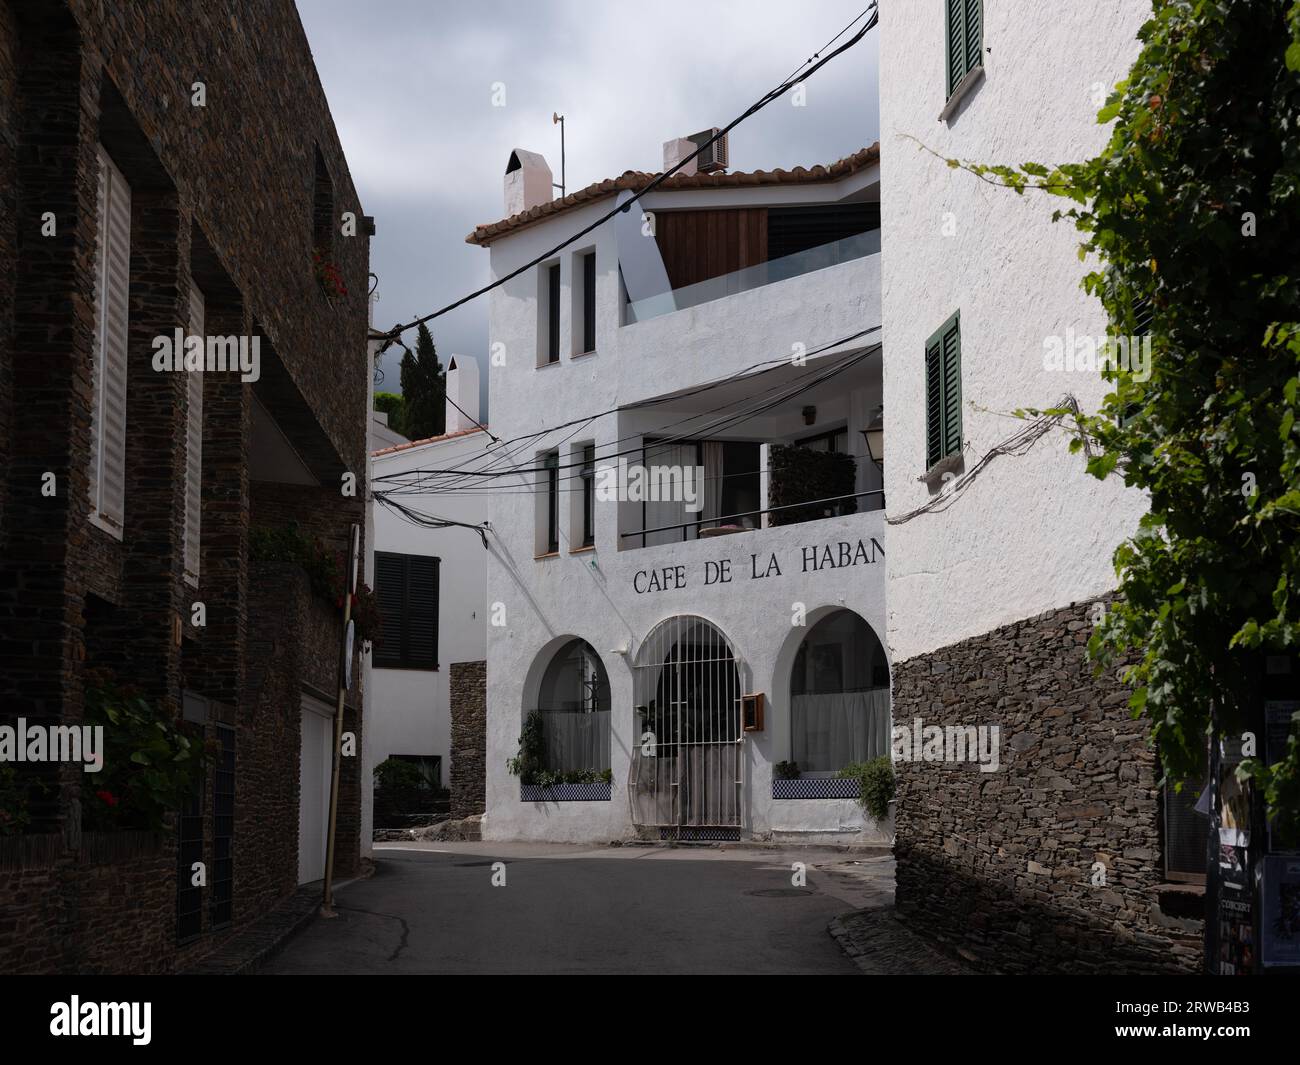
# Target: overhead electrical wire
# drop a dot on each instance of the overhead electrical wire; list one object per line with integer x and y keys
{"x": 393, "y": 334}
{"x": 755, "y": 370}
{"x": 788, "y": 391}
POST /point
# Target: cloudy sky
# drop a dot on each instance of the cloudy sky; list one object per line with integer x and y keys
{"x": 410, "y": 83}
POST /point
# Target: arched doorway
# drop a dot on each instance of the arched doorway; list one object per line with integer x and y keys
{"x": 686, "y": 761}
{"x": 573, "y": 704}
{"x": 839, "y": 696}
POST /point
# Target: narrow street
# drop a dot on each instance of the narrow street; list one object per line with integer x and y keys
{"x": 432, "y": 908}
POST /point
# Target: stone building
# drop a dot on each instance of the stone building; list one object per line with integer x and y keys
{"x": 172, "y": 168}
{"x": 1069, "y": 856}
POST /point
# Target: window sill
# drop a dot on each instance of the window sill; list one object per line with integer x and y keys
{"x": 816, "y": 788}
{"x": 958, "y": 94}
{"x": 582, "y": 354}
{"x": 548, "y": 365}
{"x": 585, "y": 550}
{"x": 599, "y": 792}
{"x": 947, "y": 464}
{"x": 115, "y": 531}
{"x": 548, "y": 554}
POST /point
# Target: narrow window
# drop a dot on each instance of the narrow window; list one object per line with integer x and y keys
{"x": 108, "y": 414}
{"x": 552, "y": 502}
{"x": 589, "y": 302}
{"x": 943, "y": 392}
{"x": 553, "y": 313}
{"x": 589, "y": 495}
{"x": 223, "y": 830}
{"x": 407, "y": 587}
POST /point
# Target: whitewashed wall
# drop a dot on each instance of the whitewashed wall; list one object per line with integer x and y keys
{"x": 591, "y": 594}
{"x": 1033, "y": 532}
{"x": 410, "y": 711}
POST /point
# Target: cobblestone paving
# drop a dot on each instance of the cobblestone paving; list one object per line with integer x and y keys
{"x": 873, "y": 937}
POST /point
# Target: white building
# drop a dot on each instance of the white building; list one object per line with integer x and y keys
{"x": 1062, "y": 856}
{"x": 430, "y": 582}
{"x": 669, "y": 654}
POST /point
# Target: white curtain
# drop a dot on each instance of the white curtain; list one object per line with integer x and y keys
{"x": 831, "y": 731}
{"x": 576, "y": 740}
{"x": 668, "y": 512}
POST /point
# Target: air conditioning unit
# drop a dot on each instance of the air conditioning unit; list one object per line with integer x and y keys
{"x": 714, "y": 157}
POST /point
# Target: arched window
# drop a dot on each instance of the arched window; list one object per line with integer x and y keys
{"x": 574, "y": 705}
{"x": 839, "y": 696}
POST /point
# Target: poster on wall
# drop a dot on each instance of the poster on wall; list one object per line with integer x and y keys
{"x": 1236, "y": 942}
{"x": 1280, "y": 912}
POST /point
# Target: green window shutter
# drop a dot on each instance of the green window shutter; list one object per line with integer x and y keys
{"x": 952, "y": 388}
{"x": 956, "y": 49}
{"x": 964, "y": 28}
{"x": 943, "y": 392}
{"x": 933, "y": 402}
{"x": 974, "y": 34}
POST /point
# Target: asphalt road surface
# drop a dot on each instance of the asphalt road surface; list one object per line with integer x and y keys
{"x": 433, "y": 908}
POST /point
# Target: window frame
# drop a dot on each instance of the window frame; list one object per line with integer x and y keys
{"x": 551, "y": 462}
{"x": 588, "y": 474}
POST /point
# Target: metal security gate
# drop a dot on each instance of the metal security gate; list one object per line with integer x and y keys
{"x": 687, "y": 768}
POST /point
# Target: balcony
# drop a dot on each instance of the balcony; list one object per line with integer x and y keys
{"x": 794, "y": 265}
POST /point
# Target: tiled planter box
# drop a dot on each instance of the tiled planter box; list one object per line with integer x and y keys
{"x": 599, "y": 792}
{"x": 815, "y": 788}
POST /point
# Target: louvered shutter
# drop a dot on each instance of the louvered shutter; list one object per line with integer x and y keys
{"x": 112, "y": 280}
{"x": 421, "y": 611}
{"x": 933, "y": 403}
{"x": 974, "y": 29}
{"x": 943, "y": 392}
{"x": 952, "y": 389}
{"x": 194, "y": 447}
{"x": 390, "y": 588}
{"x": 964, "y": 25}
{"x": 956, "y": 49}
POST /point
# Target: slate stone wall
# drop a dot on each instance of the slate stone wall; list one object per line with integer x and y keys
{"x": 224, "y": 196}
{"x": 1000, "y": 866}
{"x": 468, "y": 739}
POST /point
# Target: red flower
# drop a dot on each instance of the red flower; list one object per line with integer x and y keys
{"x": 108, "y": 797}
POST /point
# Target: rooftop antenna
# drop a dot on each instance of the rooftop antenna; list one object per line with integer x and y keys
{"x": 557, "y": 118}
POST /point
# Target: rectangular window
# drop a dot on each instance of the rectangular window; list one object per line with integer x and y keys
{"x": 965, "y": 40}
{"x": 552, "y": 467}
{"x": 194, "y": 448}
{"x": 552, "y": 286}
{"x": 108, "y": 414}
{"x": 407, "y": 587}
{"x": 589, "y": 302}
{"x": 589, "y": 495}
{"x": 943, "y": 392}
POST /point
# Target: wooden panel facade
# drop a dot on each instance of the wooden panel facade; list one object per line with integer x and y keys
{"x": 698, "y": 245}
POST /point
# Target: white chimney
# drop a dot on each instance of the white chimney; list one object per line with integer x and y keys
{"x": 529, "y": 182}
{"x": 462, "y": 387}
{"x": 675, "y": 151}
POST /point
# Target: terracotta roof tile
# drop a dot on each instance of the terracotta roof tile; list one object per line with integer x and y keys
{"x": 635, "y": 180}
{"x": 428, "y": 440}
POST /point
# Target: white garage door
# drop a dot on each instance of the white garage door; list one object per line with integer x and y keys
{"x": 314, "y": 791}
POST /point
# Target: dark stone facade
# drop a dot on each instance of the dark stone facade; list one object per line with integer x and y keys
{"x": 226, "y": 196}
{"x": 1000, "y": 866}
{"x": 468, "y": 739}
